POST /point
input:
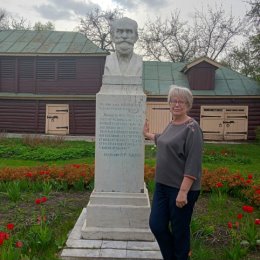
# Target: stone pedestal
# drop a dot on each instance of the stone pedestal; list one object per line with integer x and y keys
{"x": 118, "y": 216}
{"x": 114, "y": 225}
{"x": 119, "y": 205}
{"x": 88, "y": 249}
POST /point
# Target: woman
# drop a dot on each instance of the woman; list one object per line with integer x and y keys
{"x": 177, "y": 177}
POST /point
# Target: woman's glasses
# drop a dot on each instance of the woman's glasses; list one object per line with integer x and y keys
{"x": 174, "y": 102}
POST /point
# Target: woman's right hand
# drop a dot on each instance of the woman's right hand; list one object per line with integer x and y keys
{"x": 146, "y": 130}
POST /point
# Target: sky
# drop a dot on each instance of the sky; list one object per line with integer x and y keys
{"x": 66, "y": 14}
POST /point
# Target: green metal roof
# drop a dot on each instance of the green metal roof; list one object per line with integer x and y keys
{"x": 158, "y": 76}
{"x": 21, "y": 42}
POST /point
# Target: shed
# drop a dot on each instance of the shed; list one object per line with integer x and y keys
{"x": 226, "y": 103}
{"x": 48, "y": 82}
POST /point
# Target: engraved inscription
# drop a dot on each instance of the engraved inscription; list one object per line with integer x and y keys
{"x": 120, "y": 126}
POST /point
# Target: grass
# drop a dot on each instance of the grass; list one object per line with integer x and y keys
{"x": 210, "y": 234}
{"x": 61, "y": 211}
{"x": 35, "y": 151}
{"x": 239, "y": 157}
{"x": 236, "y": 157}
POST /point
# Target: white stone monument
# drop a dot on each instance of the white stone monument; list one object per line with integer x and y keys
{"x": 114, "y": 225}
{"x": 119, "y": 206}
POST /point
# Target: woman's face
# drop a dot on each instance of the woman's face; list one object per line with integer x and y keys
{"x": 178, "y": 106}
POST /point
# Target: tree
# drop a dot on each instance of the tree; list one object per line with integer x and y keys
{"x": 3, "y": 20}
{"x": 96, "y": 27}
{"x": 254, "y": 13}
{"x": 167, "y": 40}
{"x": 210, "y": 34}
{"x": 8, "y": 22}
{"x": 19, "y": 23}
{"x": 49, "y": 26}
{"x": 216, "y": 30}
{"x": 245, "y": 59}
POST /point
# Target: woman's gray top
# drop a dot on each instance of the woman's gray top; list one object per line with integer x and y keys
{"x": 179, "y": 154}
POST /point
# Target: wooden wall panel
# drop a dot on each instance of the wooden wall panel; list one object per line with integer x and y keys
{"x": 28, "y": 116}
{"x": 17, "y": 116}
{"x": 252, "y": 103}
{"x": 51, "y": 75}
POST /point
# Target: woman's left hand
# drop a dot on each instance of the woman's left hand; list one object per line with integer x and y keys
{"x": 181, "y": 199}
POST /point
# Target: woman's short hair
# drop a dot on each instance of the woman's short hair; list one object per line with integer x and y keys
{"x": 181, "y": 92}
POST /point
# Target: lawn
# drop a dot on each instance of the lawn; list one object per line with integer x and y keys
{"x": 55, "y": 185}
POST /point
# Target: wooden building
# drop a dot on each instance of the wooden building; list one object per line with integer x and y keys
{"x": 226, "y": 103}
{"x": 49, "y": 79}
{"x": 48, "y": 82}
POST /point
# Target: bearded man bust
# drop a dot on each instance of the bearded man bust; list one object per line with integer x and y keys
{"x": 124, "y": 62}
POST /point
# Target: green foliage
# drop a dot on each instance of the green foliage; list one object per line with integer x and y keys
{"x": 151, "y": 186}
{"x": 207, "y": 226}
{"x": 235, "y": 252}
{"x": 150, "y": 151}
{"x": 47, "y": 188}
{"x": 9, "y": 253}
{"x": 39, "y": 238}
{"x": 202, "y": 252}
{"x": 257, "y": 134}
{"x": 45, "y": 151}
{"x": 225, "y": 155}
{"x": 79, "y": 185}
{"x": 13, "y": 191}
{"x": 91, "y": 185}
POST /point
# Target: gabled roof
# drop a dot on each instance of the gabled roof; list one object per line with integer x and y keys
{"x": 22, "y": 42}
{"x": 158, "y": 76}
{"x": 199, "y": 60}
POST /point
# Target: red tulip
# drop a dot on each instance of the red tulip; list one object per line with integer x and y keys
{"x": 250, "y": 176}
{"x": 230, "y": 225}
{"x": 43, "y": 199}
{"x": 19, "y": 244}
{"x": 38, "y": 201}
{"x": 240, "y": 215}
{"x": 10, "y": 226}
{"x": 248, "y": 209}
{"x": 219, "y": 184}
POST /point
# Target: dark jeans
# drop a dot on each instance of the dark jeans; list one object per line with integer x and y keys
{"x": 170, "y": 224}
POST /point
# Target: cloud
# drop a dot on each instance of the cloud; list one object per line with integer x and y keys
{"x": 152, "y": 4}
{"x": 65, "y": 9}
{"x": 50, "y": 12}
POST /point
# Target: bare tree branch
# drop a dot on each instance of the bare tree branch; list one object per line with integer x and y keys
{"x": 216, "y": 30}
{"x": 211, "y": 33}
{"x": 8, "y": 22}
{"x": 96, "y": 27}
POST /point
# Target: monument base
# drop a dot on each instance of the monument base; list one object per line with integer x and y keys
{"x": 78, "y": 248}
{"x": 118, "y": 216}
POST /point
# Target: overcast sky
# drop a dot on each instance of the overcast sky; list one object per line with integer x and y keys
{"x": 65, "y": 14}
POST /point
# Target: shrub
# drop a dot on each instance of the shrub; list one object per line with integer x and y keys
{"x": 257, "y": 134}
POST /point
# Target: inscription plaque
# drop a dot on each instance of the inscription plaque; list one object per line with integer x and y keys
{"x": 119, "y": 142}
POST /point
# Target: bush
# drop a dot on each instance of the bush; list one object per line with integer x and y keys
{"x": 257, "y": 134}
{"x": 29, "y": 149}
